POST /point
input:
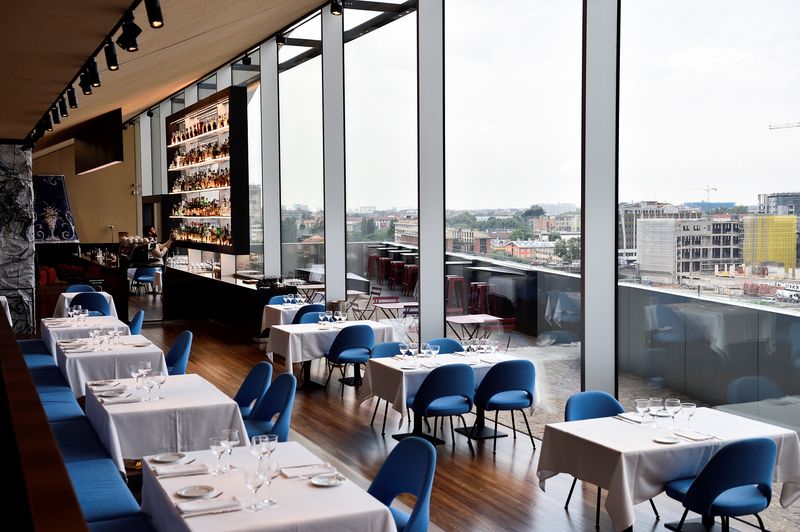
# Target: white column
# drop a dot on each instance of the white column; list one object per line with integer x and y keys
{"x": 430, "y": 111}
{"x": 270, "y": 158}
{"x": 160, "y": 181}
{"x": 144, "y": 143}
{"x": 224, "y": 77}
{"x": 190, "y": 95}
{"x": 599, "y": 205}
{"x": 333, "y": 157}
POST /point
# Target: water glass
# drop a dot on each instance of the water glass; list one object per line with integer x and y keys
{"x": 687, "y": 411}
{"x": 84, "y": 314}
{"x": 672, "y": 406}
{"x": 642, "y": 406}
{"x": 231, "y": 440}
{"x": 217, "y": 449}
{"x": 337, "y": 315}
{"x": 328, "y": 316}
{"x": 273, "y": 470}
{"x": 159, "y": 379}
{"x": 149, "y": 383}
{"x": 286, "y": 300}
{"x": 425, "y": 350}
{"x": 403, "y": 347}
{"x": 253, "y": 480}
{"x": 259, "y": 447}
{"x": 412, "y": 350}
{"x": 434, "y": 349}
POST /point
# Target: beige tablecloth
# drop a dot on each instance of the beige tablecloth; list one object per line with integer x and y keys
{"x": 622, "y": 457}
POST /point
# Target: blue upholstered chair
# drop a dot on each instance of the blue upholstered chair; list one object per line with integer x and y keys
{"x": 752, "y": 388}
{"x": 94, "y": 302}
{"x": 383, "y": 350}
{"x": 253, "y": 388}
{"x": 278, "y": 399}
{"x": 310, "y": 317}
{"x": 144, "y": 276}
{"x": 178, "y": 355}
{"x": 276, "y": 300}
{"x": 136, "y": 322}
{"x": 409, "y": 468}
{"x": 79, "y": 288}
{"x": 508, "y": 386}
{"x": 446, "y": 391}
{"x": 736, "y": 481}
{"x": 593, "y": 405}
{"x": 447, "y": 345}
{"x": 305, "y": 309}
{"x": 352, "y": 345}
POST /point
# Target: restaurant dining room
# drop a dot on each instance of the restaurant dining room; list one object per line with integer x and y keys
{"x": 400, "y": 265}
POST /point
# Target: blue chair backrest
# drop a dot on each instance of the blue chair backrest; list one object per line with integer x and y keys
{"x": 254, "y": 385}
{"x": 753, "y": 388}
{"x": 511, "y": 375}
{"x": 310, "y": 317}
{"x": 92, "y": 301}
{"x": 352, "y": 337}
{"x": 276, "y": 300}
{"x": 143, "y": 272}
{"x": 385, "y": 349}
{"x": 306, "y": 309}
{"x": 447, "y": 345}
{"x": 178, "y": 355}
{"x": 79, "y": 288}
{"x": 409, "y": 468}
{"x": 136, "y": 322}
{"x": 445, "y": 381}
{"x": 279, "y": 400}
{"x": 591, "y": 405}
{"x": 741, "y": 463}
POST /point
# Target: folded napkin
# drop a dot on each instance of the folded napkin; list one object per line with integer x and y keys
{"x": 692, "y": 434}
{"x": 429, "y": 365}
{"x": 120, "y": 400}
{"x": 631, "y": 416}
{"x": 181, "y": 470}
{"x": 79, "y": 349}
{"x": 307, "y": 470}
{"x": 108, "y": 388}
{"x": 208, "y": 506}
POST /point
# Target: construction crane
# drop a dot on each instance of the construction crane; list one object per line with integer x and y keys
{"x": 784, "y": 126}
{"x": 708, "y": 189}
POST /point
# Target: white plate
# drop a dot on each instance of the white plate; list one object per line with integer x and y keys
{"x": 199, "y": 491}
{"x": 328, "y": 480}
{"x": 409, "y": 367}
{"x": 112, "y": 393}
{"x": 103, "y": 383}
{"x": 140, "y": 344}
{"x": 666, "y": 439}
{"x": 168, "y": 458}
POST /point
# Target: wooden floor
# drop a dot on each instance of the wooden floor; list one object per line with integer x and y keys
{"x": 470, "y": 492}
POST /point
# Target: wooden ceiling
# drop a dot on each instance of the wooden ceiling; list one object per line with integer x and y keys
{"x": 45, "y": 43}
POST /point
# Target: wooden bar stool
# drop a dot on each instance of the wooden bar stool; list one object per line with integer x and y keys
{"x": 396, "y": 273}
{"x": 478, "y": 301}
{"x": 410, "y": 276}
{"x": 456, "y": 292}
{"x": 372, "y": 266}
{"x": 383, "y": 269}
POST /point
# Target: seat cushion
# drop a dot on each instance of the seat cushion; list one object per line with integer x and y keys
{"x": 677, "y": 488}
{"x": 60, "y": 405}
{"x": 35, "y": 361}
{"x": 48, "y": 378}
{"x": 95, "y": 313}
{"x": 101, "y": 492}
{"x": 137, "y": 523}
{"x": 444, "y": 406}
{"x": 510, "y": 400}
{"x": 255, "y": 428}
{"x": 33, "y": 347}
{"x": 245, "y": 410}
{"x": 743, "y": 500}
{"x": 357, "y": 355}
{"x": 78, "y": 441}
{"x": 400, "y": 518}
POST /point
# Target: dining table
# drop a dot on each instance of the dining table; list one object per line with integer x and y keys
{"x": 65, "y": 301}
{"x": 54, "y": 330}
{"x": 469, "y": 324}
{"x": 634, "y": 462}
{"x": 301, "y": 503}
{"x": 281, "y": 314}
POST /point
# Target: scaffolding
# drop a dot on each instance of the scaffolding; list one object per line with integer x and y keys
{"x": 771, "y": 240}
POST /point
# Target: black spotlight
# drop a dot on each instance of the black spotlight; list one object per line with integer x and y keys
{"x": 71, "y": 98}
{"x": 336, "y": 7}
{"x": 280, "y": 39}
{"x": 85, "y": 84}
{"x": 62, "y": 107}
{"x": 111, "y": 56}
{"x": 54, "y": 115}
{"x": 150, "y": 113}
{"x": 130, "y": 31}
{"x": 92, "y": 73}
{"x": 246, "y": 60}
{"x": 48, "y": 125}
{"x": 154, "y": 15}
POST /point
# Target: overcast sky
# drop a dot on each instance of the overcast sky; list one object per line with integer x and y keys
{"x": 700, "y": 83}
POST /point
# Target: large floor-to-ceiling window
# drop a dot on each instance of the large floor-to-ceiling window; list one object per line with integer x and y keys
{"x": 709, "y": 302}
{"x": 513, "y": 198}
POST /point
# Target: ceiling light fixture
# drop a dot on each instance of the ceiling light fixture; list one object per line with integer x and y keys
{"x": 111, "y": 56}
{"x": 154, "y": 15}
{"x": 280, "y": 39}
{"x": 71, "y": 98}
{"x": 130, "y": 31}
{"x": 54, "y": 116}
{"x": 62, "y": 107}
{"x": 48, "y": 125}
{"x": 150, "y": 113}
{"x": 336, "y": 7}
{"x": 85, "y": 84}
{"x": 246, "y": 60}
{"x": 92, "y": 73}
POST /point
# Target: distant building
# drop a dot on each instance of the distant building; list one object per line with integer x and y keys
{"x": 780, "y": 203}
{"x": 554, "y": 209}
{"x": 406, "y": 231}
{"x": 465, "y": 240}
{"x": 770, "y": 241}
{"x": 535, "y": 250}
{"x": 708, "y": 206}
{"x": 628, "y": 216}
{"x": 543, "y": 223}
{"x": 568, "y": 222}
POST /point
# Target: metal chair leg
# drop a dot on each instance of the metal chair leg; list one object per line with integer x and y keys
{"x": 566, "y": 504}
{"x": 330, "y": 372}
{"x": 655, "y": 511}
{"x": 683, "y": 518}
{"x": 435, "y": 426}
{"x": 469, "y": 440}
{"x": 452, "y": 432}
{"x": 427, "y": 424}
{"x": 530, "y": 435}
{"x": 494, "y": 443}
{"x": 385, "y": 412}
{"x": 760, "y": 523}
{"x": 377, "y": 403}
{"x": 597, "y": 510}
{"x": 726, "y": 524}
{"x": 513, "y": 425}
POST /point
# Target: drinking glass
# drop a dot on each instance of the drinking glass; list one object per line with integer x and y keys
{"x": 84, "y": 315}
{"x": 301, "y": 299}
{"x": 687, "y": 411}
{"x": 273, "y": 468}
{"x": 285, "y": 300}
{"x": 642, "y": 405}
{"x": 434, "y": 350}
{"x": 159, "y": 379}
{"x": 93, "y": 336}
{"x": 217, "y": 449}
{"x": 71, "y": 312}
{"x": 656, "y": 404}
{"x": 403, "y": 347}
{"x": 231, "y": 440}
{"x": 293, "y": 299}
{"x": 149, "y": 383}
{"x": 337, "y": 315}
{"x": 412, "y": 350}
{"x": 672, "y": 406}
{"x": 253, "y": 480}
{"x": 329, "y": 316}
{"x": 424, "y": 350}
{"x": 321, "y": 319}
{"x": 259, "y": 447}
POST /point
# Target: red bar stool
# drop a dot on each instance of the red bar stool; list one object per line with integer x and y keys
{"x": 396, "y": 273}
{"x": 383, "y": 269}
{"x": 456, "y": 292}
{"x": 478, "y": 298}
{"x": 410, "y": 276}
{"x": 372, "y": 266}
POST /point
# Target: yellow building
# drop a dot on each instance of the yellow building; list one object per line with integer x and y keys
{"x": 770, "y": 240}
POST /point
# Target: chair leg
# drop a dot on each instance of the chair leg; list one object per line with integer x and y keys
{"x": 469, "y": 440}
{"x": 377, "y": 403}
{"x": 513, "y": 425}
{"x": 427, "y": 424}
{"x": 344, "y": 371}
{"x": 530, "y": 435}
{"x": 726, "y": 524}
{"x": 435, "y": 426}
{"x": 452, "y": 432}
{"x": 655, "y": 510}
{"x": 385, "y": 412}
{"x": 330, "y": 372}
{"x": 494, "y": 442}
{"x": 760, "y": 523}
{"x": 597, "y": 510}
{"x": 566, "y": 504}
{"x": 683, "y": 518}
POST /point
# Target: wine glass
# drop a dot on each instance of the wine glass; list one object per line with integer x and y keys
{"x": 328, "y": 316}
{"x": 217, "y": 449}
{"x": 424, "y": 350}
{"x": 656, "y": 406}
{"x": 84, "y": 314}
{"x": 337, "y": 316}
{"x": 672, "y": 406}
{"x": 285, "y": 299}
{"x": 687, "y": 411}
{"x": 434, "y": 349}
{"x": 253, "y": 479}
{"x": 259, "y": 447}
{"x": 402, "y": 347}
{"x": 71, "y": 311}
{"x": 149, "y": 383}
{"x": 321, "y": 318}
{"x": 231, "y": 440}
{"x": 412, "y": 350}
{"x": 273, "y": 467}
{"x": 642, "y": 406}
{"x": 159, "y": 379}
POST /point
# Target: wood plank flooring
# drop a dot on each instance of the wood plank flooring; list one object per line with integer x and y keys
{"x": 480, "y": 492}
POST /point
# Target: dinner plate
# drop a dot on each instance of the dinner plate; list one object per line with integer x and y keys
{"x": 103, "y": 383}
{"x": 666, "y": 439}
{"x": 139, "y": 344}
{"x": 198, "y": 491}
{"x": 328, "y": 480}
{"x": 409, "y": 367}
{"x": 168, "y": 458}
{"x": 111, "y": 393}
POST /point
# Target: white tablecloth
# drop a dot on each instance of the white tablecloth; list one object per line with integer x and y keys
{"x": 81, "y": 367}
{"x": 192, "y": 411}
{"x": 4, "y": 303}
{"x": 622, "y": 457}
{"x": 301, "y": 507}
{"x": 307, "y": 341}
{"x": 65, "y": 300}
{"x": 278, "y": 315}
{"x": 385, "y": 378}
{"x": 55, "y": 330}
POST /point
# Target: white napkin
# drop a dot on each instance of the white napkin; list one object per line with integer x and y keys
{"x": 108, "y": 388}
{"x": 692, "y": 434}
{"x": 120, "y": 400}
{"x": 208, "y": 506}
{"x": 78, "y": 349}
{"x": 180, "y": 470}
{"x": 631, "y": 416}
{"x": 307, "y": 470}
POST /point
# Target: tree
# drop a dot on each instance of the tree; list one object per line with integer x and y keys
{"x": 289, "y": 229}
{"x": 534, "y": 211}
{"x": 463, "y": 219}
{"x": 521, "y": 233}
{"x": 390, "y": 233}
{"x": 367, "y": 227}
{"x": 568, "y": 250}
{"x": 552, "y": 236}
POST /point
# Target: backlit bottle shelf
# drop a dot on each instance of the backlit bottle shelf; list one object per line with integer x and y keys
{"x": 207, "y": 134}
{"x": 197, "y": 165}
{"x": 200, "y": 190}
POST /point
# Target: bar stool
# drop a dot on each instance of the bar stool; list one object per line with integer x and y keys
{"x": 383, "y": 269}
{"x": 456, "y": 292}
{"x": 372, "y": 266}
{"x": 410, "y": 276}
{"x": 396, "y": 273}
{"x": 478, "y": 297}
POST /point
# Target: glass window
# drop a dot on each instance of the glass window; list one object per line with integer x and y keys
{"x": 513, "y": 184}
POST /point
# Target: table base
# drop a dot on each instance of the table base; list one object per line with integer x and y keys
{"x": 350, "y": 381}
{"x": 403, "y": 436}
{"x": 308, "y": 384}
{"x": 480, "y": 433}
{"x": 697, "y": 525}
